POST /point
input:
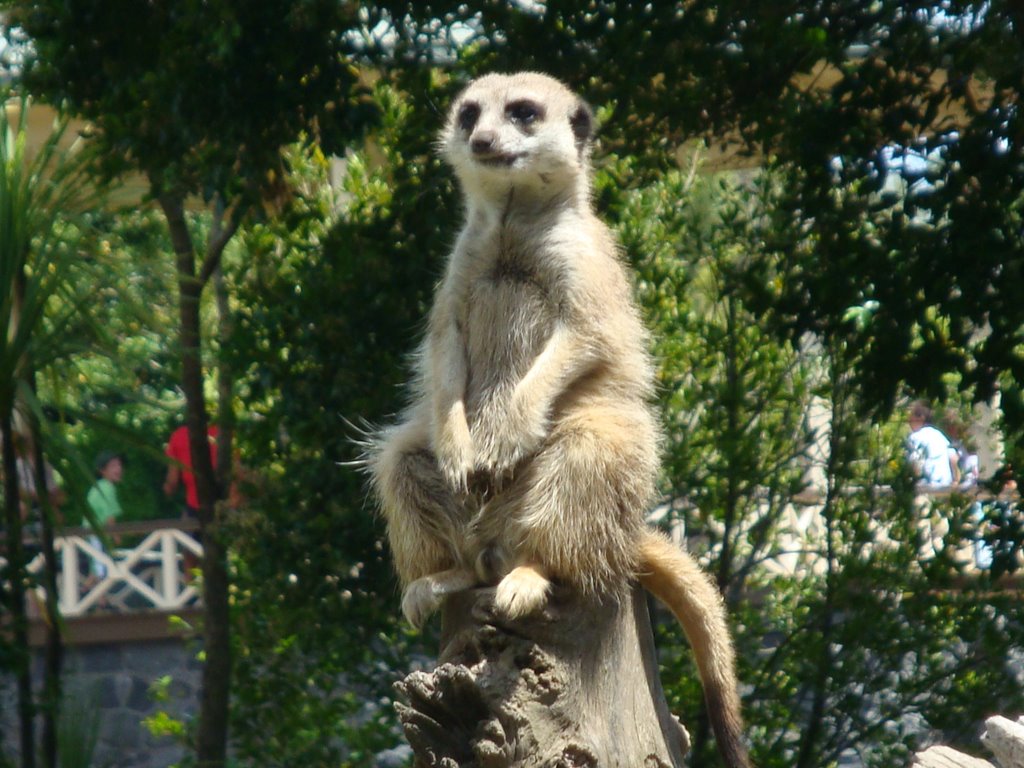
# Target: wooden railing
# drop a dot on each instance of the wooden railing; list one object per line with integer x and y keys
{"x": 146, "y": 575}
{"x": 150, "y": 575}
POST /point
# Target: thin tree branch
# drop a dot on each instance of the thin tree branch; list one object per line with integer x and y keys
{"x": 221, "y": 233}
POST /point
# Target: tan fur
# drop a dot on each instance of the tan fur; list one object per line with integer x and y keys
{"x": 529, "y": 452}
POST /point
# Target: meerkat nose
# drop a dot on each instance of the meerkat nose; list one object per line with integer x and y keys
{"x": 483, "y": 142}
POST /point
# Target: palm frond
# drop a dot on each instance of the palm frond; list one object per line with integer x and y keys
{"x": 40, "y": 190}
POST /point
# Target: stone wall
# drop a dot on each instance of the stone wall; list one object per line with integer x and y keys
{"x": 114, "y": 681}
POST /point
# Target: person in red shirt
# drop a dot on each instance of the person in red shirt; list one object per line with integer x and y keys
{"x": 180, "y": 468}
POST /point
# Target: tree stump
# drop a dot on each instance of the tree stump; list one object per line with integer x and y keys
{"x": 573, "y": 687}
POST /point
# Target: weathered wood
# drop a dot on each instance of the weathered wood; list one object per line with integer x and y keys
{"x": 574, "y": 687}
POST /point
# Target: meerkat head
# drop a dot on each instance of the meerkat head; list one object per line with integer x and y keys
{"x": 525, "y": 130}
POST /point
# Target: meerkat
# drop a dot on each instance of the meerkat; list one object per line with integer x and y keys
{"x": 530, "y": 450}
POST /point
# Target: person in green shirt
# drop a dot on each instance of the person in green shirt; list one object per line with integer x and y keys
{"x": 102, "y": 499}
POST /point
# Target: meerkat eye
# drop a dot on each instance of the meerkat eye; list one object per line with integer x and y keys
{"x": 524, "y": 112}
{"x": 468, "y": 115}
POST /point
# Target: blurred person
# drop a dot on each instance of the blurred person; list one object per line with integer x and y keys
{"x": 25, "y": 467}
{"x": 932, "y": 455}
{"x": 967, "y": 455}
{"x": 179, "y": 472}
{"x": 102, "y": 500}
{"x": 996, "y": 536}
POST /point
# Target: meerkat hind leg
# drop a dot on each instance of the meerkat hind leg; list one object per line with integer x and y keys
{"x": 423, "y": 596}
{"x": 522, "y": 591}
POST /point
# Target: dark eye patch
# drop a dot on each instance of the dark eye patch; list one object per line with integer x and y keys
{"x": 524, "y": 111}
{"x": 582, "y": 122}
{"x": 469, "y": 113}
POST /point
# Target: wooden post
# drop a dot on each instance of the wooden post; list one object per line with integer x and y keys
{"x": 576, "y": 686}
{"x": 169, "y": 567}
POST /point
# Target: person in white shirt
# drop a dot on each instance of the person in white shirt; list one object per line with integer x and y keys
{"x": 933, "y": 456}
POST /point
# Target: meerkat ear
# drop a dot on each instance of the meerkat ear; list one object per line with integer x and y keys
{"x": 582, "y": 122}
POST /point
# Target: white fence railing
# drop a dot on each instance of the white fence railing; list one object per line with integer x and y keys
{"x": 151, "y": 574}
{"x": 147, "y": 576}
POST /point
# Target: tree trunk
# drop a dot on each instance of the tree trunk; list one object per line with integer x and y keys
{"x": 54, "y": 648}
{"x": 212, "y": 744}
{"x": 212, "y": 731}
{"x": 575, "y": 686}
{"x": 212, "y": 736}
{"x": 225, "y": 389}
{"x": 15, "y": 594}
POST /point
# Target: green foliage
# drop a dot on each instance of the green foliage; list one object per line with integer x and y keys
{"x": 235, "y": 80}
{"x": 905, "y": 165}
{"x": 161, "y": 723}
{"x": 201, "y": 99}
{"x": 43, "y": 319}
{"x": 79, "y": 729}
{"x": 122, "y": 393}
{"x": 859, "y": 650}
{"x": 735, "y": 402}
{"x": 331, "y": 299}
{"x": 40, "y": 298}
{"x": 883, "y": 654}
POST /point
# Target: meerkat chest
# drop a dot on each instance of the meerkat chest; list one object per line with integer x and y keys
{"x": 509, "y": 311}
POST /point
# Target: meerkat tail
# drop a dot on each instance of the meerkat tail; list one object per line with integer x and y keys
{"x": 674, "y": 577}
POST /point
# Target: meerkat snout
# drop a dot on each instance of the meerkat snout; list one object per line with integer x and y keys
{"x": 483, "y": 142}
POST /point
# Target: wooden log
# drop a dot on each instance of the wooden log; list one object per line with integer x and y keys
{"x": 575, "y": 686}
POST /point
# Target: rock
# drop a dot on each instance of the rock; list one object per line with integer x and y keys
{"x": 1005, "y": 739}
{"x": 945, "y": 757}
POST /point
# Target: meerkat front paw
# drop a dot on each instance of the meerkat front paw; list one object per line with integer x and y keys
{"x": 524, "y": 590}
{"x": 419, "y": 601}
{"x": 423, "y": 596}
{"x": 456, "y": 455}
{"x": 518, "y": 434}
